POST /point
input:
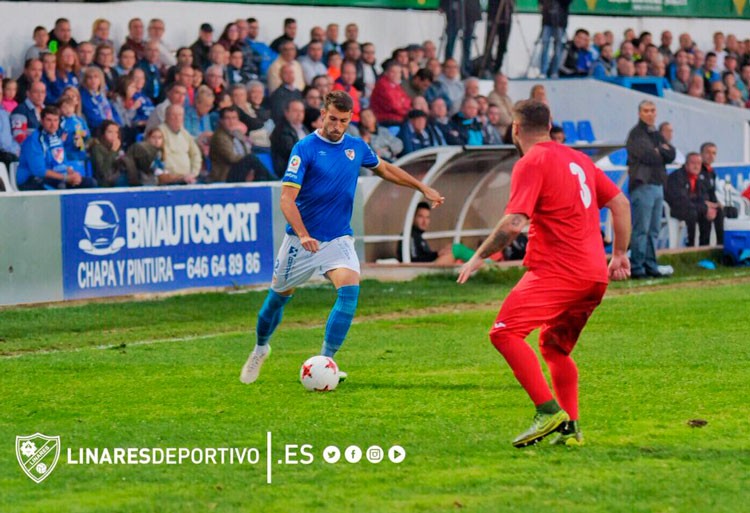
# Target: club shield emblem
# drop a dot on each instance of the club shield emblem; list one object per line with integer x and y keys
{"x": 349, "y": 154}
{"x": 58, "y": 154}
{"x": 37, "y": 454}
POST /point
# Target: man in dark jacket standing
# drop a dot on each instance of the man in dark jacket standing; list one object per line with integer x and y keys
{"x": 688, "y": 198}
{"x": 460, "y": 15}
{"x": 648, "y": 155}
{"x": 708, "y": 156}
{"x": 554, "y": 23}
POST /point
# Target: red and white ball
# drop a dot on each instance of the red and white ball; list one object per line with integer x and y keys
{"x": 319, "y": 374}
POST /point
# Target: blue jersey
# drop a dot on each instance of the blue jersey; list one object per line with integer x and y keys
{"x": 326, "y": 174}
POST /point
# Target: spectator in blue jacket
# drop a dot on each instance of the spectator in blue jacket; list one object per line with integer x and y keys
{"x": 94, "y": 102}
{"x": 577, "y": 58}
{"x": 605, "y": 65}
{"x": 262, "y": 53}
{"x": 415, "y": 133}
{"x": 43, "y": 164}
{"x": 151, "y": 68}
{"x": 27, "y": 116}
{"x": 465, "y": 128}
{"x": 9, "y": 148}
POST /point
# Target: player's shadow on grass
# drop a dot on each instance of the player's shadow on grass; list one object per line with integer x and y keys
{"x": 453, "y": 387}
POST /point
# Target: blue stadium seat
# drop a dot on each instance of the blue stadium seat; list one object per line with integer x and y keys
{"x": 266, "y": 160}
{"x": 394, "y": 130}
{"x": 619, "y": 157}
{"x": 569, "y": 129}
{"x": 586, "y": 131}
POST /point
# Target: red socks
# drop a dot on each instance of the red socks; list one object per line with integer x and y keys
{"x": 525, "y": 365}
{"x": 564, "y": 374}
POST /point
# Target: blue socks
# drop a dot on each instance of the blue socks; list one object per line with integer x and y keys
{"x": 337, "y": 327}
{"x": 270, "y": 316}
{"x": 340, "y": 319}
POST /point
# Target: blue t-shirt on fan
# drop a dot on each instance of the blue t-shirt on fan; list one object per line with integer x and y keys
{"x": 326, "y": 174}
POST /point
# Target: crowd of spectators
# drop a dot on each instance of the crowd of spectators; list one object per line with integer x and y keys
{"x": 97, "y": 112}
{"x": 720, "y": 74}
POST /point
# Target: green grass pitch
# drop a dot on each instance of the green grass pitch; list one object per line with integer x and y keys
{"x": 422, "y": 375}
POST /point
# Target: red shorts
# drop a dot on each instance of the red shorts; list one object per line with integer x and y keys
{"x": 559, "y": 305}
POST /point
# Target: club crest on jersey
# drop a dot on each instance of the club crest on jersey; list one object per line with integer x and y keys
{"x": 349, "y": 154}
{"x": 294, "y": 163}
{"x": 58, "y": 154}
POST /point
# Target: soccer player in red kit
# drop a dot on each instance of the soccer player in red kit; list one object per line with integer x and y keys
{"x": 559, "y": 191}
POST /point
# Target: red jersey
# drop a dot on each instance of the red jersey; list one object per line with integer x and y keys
{"x": 561, "y": 191}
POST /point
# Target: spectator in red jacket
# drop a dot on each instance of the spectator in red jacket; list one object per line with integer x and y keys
{"x": 389, "y": 101}
{"x": 346, "y": 83}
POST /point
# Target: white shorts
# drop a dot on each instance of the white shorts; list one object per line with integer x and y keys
{"x": 295, "y": 265}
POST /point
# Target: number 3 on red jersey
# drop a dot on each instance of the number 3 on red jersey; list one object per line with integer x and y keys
{"x": 585, "y": 191}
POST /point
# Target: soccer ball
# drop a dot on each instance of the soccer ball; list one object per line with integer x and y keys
{"x": 319, "y": 374}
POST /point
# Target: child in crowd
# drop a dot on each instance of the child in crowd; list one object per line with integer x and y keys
{"x": 41, "y": 39}
{"x": 74, "y": 132}
{"x": 10, "y": 88}
{"x": 143, "y": 161}
{"x": 334, "y": 65}
{"x": 107, "y": 155}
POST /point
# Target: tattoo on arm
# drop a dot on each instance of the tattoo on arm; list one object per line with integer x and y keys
{"x": 504, "y": 233}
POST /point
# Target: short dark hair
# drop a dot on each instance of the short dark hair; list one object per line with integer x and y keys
{"x": 388, "y": 64}
{"x": 582, "y": 31}
{"x": 124, "y": 49}
{"x": 339, "y": 100}
{"x": 289, "y": 21}
{"x": 252, "y": 20}
{"x": 532, "y": 115}
{"x": 347, "y": 44}
{"x": 38, "y": 28}
{"x": 692, "y": 154}
{"x": 424, "y": 74}
{"x": 316, "y": 78}
{"x": 423, "y": 204}
{"x": 27, "y": 64}
{"x": 52, "y": 110}
{"x": 173, "y": 86}
{"x": 290, "y": 102}
{"x": 226, "y": 110}
{"x": 707, "y": 145}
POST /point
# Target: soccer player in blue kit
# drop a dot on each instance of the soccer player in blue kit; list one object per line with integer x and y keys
{"x": 317, "y": 198}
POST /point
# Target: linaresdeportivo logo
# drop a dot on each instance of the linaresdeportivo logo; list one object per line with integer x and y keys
{"x": 349, "y": 154}
{"x": 101, "y": 225}
{"x": 37, "y": 454}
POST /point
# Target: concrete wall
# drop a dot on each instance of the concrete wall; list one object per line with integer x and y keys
{"x": 30, "y": 249}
